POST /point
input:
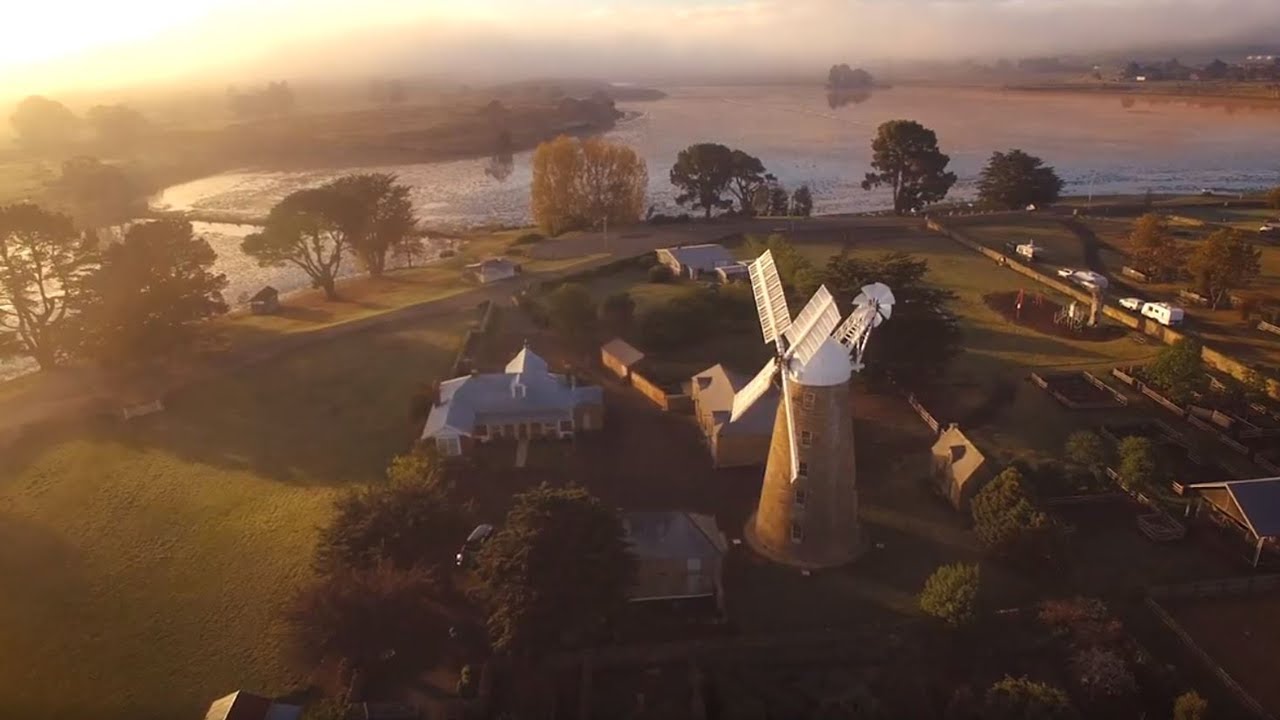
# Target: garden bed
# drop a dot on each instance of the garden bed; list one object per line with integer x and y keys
{"x": 1079, "y": 390}
{"x": 1038, "y": 313}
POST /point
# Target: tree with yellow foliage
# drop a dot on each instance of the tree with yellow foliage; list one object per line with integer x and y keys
{"x": 579, "y": 183}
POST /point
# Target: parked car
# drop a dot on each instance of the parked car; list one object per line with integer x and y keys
{"x": 1066, "y": 272}
{"x": 1089, "y": 279}
{"x": 1132, "y": 303}
{"x": 1164, "y": 313}
{"x": 477, "y": 538}
{"x": 1270, "y": 227}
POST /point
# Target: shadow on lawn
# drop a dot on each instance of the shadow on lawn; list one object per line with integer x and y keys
{"x": 330, "y": 413}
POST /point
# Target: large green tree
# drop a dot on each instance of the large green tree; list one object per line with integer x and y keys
{"x": 372, "y": 617}
{"x": 375, "y": 214}
{"x": 915, "y": 345}
{"x": 1153, "y": 249}
{"x": 151, "y": 293}
{"x": 117, "y": 127}
{"x": 1024, "y": 699}
{"x": 951, "y": 594}
{"x": 1223, "y": 262}
{"x": 43, "y": 124}
{"x": 1004, "y": 518}
{"x": 1140, "y": 466}
{"x": 748, "y": 177}
{"x": 1178, "y": 370}
{"x": 411, "y": 520}
{"x": 1013, "y": 180}
{"x": 802, "y": 202}
{"x": 702, "y": 174}
{"x": 307, "y": 230}
{"x": 572, "y": 312}
{"x": 43, "y": 261}
{"x": 906, "y": 158}
{"x": 556, "y": 572}
{"x": 97, "y": 194}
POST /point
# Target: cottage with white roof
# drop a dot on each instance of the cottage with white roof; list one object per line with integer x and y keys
{"x": 526, "y": 401}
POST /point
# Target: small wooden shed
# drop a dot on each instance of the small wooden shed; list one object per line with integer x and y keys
{"x": 265, "y": 302}
{"x": 619, "y": 357}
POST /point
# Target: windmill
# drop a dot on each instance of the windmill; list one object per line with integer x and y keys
{"x": 807, "y": 513}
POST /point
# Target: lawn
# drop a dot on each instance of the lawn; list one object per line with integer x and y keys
{"x": 150, "y": 563}
{"x": 362, "y": 297}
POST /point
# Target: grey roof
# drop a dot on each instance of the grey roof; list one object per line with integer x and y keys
{"x": 715, "y": 388}
{"x": 241, "y": 705}
{"x": 673, "y": 534}
{"x": 1258, "y": 500}
{"x": 526, "y": 391}
{"x": 705, "y": 257}
{"x": 624, "y": 351}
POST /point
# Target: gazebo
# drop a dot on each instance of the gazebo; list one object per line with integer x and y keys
{"x": 1250, "y": 506}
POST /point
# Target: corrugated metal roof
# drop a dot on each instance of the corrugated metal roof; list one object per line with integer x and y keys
{"x": 624, "y": 351}
{"x": 715, "y": 388}
{"x": 705, "y": 257}
{"x": 1258, "y": 500}
{"x": 526, "y": 391}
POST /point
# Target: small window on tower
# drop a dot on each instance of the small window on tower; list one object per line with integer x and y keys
{"x": 806, "y": 438}
{"x": 802, "y": 470}
{"x": 797, "y": 532}
{"x": 801, "y": 497}
{"x": 807, "y": 400}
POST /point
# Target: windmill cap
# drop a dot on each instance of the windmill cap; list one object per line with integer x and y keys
{"x": 829, "y": 366}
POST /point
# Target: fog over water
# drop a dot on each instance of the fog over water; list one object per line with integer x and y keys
{"x": 1107, "y": 144}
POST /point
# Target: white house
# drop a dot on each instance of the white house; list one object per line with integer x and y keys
{"x": 693, "y": 261}
{"x": 491, "y": 270}
{"x": 525, "y": 401}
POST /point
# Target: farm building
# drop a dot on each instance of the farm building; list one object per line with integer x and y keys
{"x": 241, "y": 705}
{"x": 265, "y": 302}
{"x": 620, "y": 357}
{"x": 525, "y": 401}
{"x": 491, "y": 270}
{"x": 959, "y": 468}
{"x": 694, "y": 261}
{"x": 733, "y": 273}
{"x": 679, "y": 555}
{"x": 736, "y": 443}
{"x": 1249, "y": 507}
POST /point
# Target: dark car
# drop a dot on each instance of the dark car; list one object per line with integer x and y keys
{"x": 477, "y": 538}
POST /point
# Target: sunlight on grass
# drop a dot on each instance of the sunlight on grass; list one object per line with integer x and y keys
{"x": 168, "y": 547}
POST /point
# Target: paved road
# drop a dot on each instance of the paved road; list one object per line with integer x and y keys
{"x": 81, "y": 391}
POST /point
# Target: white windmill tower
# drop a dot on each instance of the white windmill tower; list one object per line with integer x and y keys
{"x": 807, "y": 514}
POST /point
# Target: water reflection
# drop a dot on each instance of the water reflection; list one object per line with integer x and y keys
{"x": 503, "y": 161}
{"x": 840, "y": 98}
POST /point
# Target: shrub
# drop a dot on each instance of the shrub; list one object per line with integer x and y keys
{"x": 466, "y": 687}
{"x": 1190, "y": 706}
{"x": 1024, "y": 699}
{"x": 529, "y": 238}
{"x": 1102, "y": 673}
{"x": 1086, "y": 450}
{"x": 1003, "y": 516}
{"x": 660, "y": 273}
{"x": 1139, "y": 464}
{"x": 951, "y": 594}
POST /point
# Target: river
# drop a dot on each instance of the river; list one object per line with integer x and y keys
{"x": 1098, "y": 143}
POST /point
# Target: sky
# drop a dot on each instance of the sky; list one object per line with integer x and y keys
{"x": 88, "y": 44}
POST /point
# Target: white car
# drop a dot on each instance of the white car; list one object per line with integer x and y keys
{"x": 1134, "y": 304}
{"x": 1066, "y": 272}
{"x": 1269, "y": 227}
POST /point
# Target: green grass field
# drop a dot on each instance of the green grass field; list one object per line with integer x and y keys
{"x": 147, "y": 565}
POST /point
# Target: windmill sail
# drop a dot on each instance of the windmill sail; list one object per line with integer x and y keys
{"x": 812, "y": 326}
{"x": 754, "y": 390}
{"x": 771, "y": 300}
{"x": 791, "y": 429}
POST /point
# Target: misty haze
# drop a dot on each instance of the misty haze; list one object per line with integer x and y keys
{"x": 640, "y": 359}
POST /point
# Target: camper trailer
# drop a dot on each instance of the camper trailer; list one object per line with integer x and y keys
{"x": 1163, "y": 313}
{"x": 1028, "y": 250}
